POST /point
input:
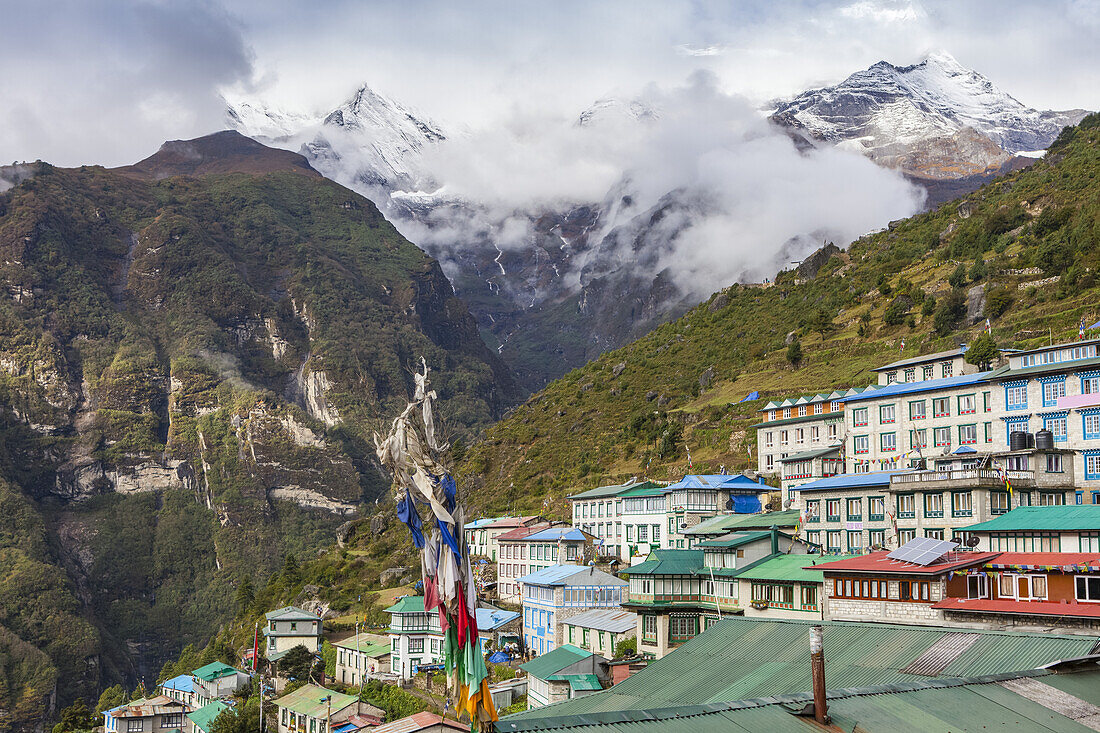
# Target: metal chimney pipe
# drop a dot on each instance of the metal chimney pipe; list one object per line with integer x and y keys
{"x": 817, "y": 665}
{"x": 775, "y": 539}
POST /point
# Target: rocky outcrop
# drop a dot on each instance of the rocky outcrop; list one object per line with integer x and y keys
{"x": 310, "y": 499}
{"x": 146, "y": 477}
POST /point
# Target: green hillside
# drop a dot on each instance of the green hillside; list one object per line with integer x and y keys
{"x": 1023, "y": 251}
{"x": 190, "y": 371}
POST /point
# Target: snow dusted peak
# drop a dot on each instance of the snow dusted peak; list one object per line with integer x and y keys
{"x": 256, "y": 120}
{"x": 368, "y": 110}
{"x": 610, "y": 109}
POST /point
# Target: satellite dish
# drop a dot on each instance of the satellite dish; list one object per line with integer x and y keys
{"x": 972, "y": 541}
{"x": 683, "y": 525}
{"x": 786, "y": 503}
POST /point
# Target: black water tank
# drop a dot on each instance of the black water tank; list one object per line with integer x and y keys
{"x": 1031, "y": 440}
{"x": 1017, "y": 440}
{"x": 1044, "y": 440}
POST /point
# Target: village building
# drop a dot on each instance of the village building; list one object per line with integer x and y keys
{"x": 600, "y": 629}
{"x": 146, "y": 715}
{"x": 940, "y": 365}
{"x": 477, "y": 537}
{"x": 216, "y": 680}
{"x": 202, "y": 720}
{"x": 564, "y": 673}
{"x": 782, "y": 586}
{"x": 416, "y": 639}
{"x": 743, "y": 658}
{"x": 485, "y": 535}
{"x": 599, "y": 512}
{"x": 423, "y": 722}
{"x": 801, "y": 425}
{"x": 786, "y": 521}
{"x": 361, "y": 657}
{"x": 312, "y": 709}
{"x": 180, "y": 687}
{"x": 1073, "y": 528}
{"x": 1028, "y": 590}
{"x": 512, "y": 560}
{"x": 289, "y": 627}
{"x": 555, "y": 594}
{"x": 497, "y": 627}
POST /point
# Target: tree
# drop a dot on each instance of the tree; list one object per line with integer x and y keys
{"x": 297, "y": 663}
{"x": 958, "y": 278}
{"x": 982, "y": 351}
{"x": 928, "y": 307}
{"x": 75, "y": 717}
{"x": 949, "y": 312}
{"x": 244, "y": 717}
{"x": 896, "y": 311}
{"x": 794, "y": 353}
{"x": 626, "y": 648}
{"x": 112, "y": 697}
{"x": 820, "y": 321}
{"x": 246, "y": 595}
{"x": 998, "y": 299}
{"x": 291, "y": 574}
{"x": 978, "y": 270}
{"x": 883, "y": 284}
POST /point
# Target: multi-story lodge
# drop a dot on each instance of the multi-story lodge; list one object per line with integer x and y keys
{"x": 482, "y": 534}
{"x": 216, "y": 680}
{"x": 289, "y": 627}
{"x": 600, "y": 629}
{"x": 528, "y": 549}
{"x": 416, "y": 638}
{"x": 1073, "y": 528}
{"x": 360, "y": 657}
{"x": 556, "y": 593}
{"x": 790, "y": 428}
{"x": 599, "y": 512}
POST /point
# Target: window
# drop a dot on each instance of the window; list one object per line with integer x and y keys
{"x": 630, "y": 533}
{"x": 987, "y": 404}
{"x": 818, "y": 408}
{"x": 1088, "y": 588}
{"x": 769, "y": 462}
{"x": 888, "y": 442}
{"x": 643, "y": 533}
{"x": 941, "y": 407}
{"x": 935, "y": 534}
{"x": 918, "y": 439}
{"x": 855, "y": 510}
{"x": 933, "y": 505}
{"x": 834, "y": 407}
{"x": 832, "y": 541}
{"x": 859, "y": 416}
{"x": 876, "y": 508}
{"x": 808, "y": 596}
{"x": 1016, "y": 396}
{"x": 977, "y": 586}
{"x": 947, "y": 369}
{"x": 802, "y": 411}
{"x": 831, "y": 429}
{"x": 987, "y": 430}
{"x": 813, "y": 511}
{"x": 859, "y": 588}
{"x": 800, "y": 436}
{"x": 962, "y": 504}
{"x": 171, "y": 720}
{"x": 1056, "y": 424}
{"x": 1092, "y": 466}
{"x": 942, "y": 437}
{"x": 914, "y": 590}
{"x": 1092, "y": 426}
{"x": 1054, "y": 463}
{"x": 133, "y": 725}
{"x": 649, "y": 627}
{"x": 876, "y": 538}
{"x": 907, "y": 506}
{"x": 904, "y": 535}
{"x": 832, "y": 510}
{"x": 783, "y": 439}
{"x": 886, "y": 414}
{"x": 815, "y": 433}
{"x": 911, "y": 374}
{"x": 813, "y": 537}
{"x": 861, "y": 444}
{"x": 998, "y": 502}
{"x": 928, "y": 371}
{"x": 966, "y": 404}
{"x": 1052, "y": 390}
{"x": 891, "y": 377}
{"x": 916, "y": 410}
{"x": 682, "y": 628}
{"x": 771, "y": 414}
{"x": 855, "y": 541}
{"x": 968, "y": 434}
{"x": 1051, "y": 498}
{"x": 786, "y": 413}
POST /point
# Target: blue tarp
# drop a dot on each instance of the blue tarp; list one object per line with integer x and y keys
{"x": 743, "y": 504}
{"x": 499, "y": 657}
{"x": 1095, "y": 325}
{"x": 751, "y": 396}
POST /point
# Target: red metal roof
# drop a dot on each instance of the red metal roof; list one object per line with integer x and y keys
{"x": 1031, "y": 608}
{"x": 1057, "y": 560}
{"x": 521, "y": 532}
{"x": 417, "y": 722}
{"x": 877, "y": 562}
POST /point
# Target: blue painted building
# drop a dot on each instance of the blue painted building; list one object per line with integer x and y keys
{"x": 559, "y": 592}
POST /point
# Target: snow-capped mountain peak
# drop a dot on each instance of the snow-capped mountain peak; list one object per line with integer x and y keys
{"x": 610, "y": 109}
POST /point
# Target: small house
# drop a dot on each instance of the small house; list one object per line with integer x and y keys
{"x": 564, "y": 673}
{"x": 289, "y": 627}
{"x": 361, "y": 657}
{"x": 416, "y": 638}
{"x": 182, "y": 688}
{"x": 600, "y": 629}
{"x": 310, "y": 709}
{"x": 216, "y": 680}
{"x": 160, "y": 714}
{"x": 202, "y": 720}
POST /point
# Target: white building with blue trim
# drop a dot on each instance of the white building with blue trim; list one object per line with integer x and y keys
{"x": 559, "y": 592}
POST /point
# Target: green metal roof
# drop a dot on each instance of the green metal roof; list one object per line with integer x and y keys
{"x": 203, "y": 718}
{"x": 740, "y": 658}
{"x": 668, "y": 562}
{"x": 408, "y": 604}
{"x": 735, "y": 539}
{"x": 1059, "y": 366}
{"x": 614, "y": 490}
{"x": 788, "y": 568}
{"x": 363, "y": 644}
{"x": 579, "y": 682}
{"x": 290, "y": 613}
{"x": 555, "y": 660}
{"x": 310, "y": 700}
{"x": 826, "y": 416}
{"x": 647, "y": 489}
{"x": 990, "y": 703}
{"x": 724, "y": 523}
{"x": 214, "y": 671}
{"x": 1068, "y": 518}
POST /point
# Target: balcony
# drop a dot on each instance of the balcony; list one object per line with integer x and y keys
{"x": 966, "y": 478}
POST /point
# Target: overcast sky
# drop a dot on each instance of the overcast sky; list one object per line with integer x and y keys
{"x": 105, "y": 81}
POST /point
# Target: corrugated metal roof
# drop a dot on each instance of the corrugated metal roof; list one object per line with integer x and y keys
{"x": 740, "y": 658}
{"x": 1026, "y": 608}
{"x": 556, "y": 533}
{"x": 919, "y": 360}
{"x": 418, "y": 722}
{"x": 668, "y": 562}
{"x": 479, "y": 523}
{"x": 491, "y": 619}
{"x": 311, "y": 700}
{"x": 570, "y": 575}
{"x": 364, "y": 644}
{"x": 729, "y": 522}
{"x": 555, "y": 660}
{"x": 615, "y": 620}
{"x": 603, "y": 492}
{"x": 810, "y": 454}
{"x": 850, "y": 481}
{"x": 290, "y": 613}
{"x": 182, "y": 683}
{"x": 1068, "y": 518}
{"x": 203, "y": 718}
{"x": 718, "y": 481}
{"x": 1036, "y": 701}
{"x": 927, "y": 385}
{"x": 216, "y": 670}
{"x": 794, "y": 568}
{"x": 1058, "y": 366}
{"x": 144, "y": 707}
{"x": 735, "y": 539}
{"x": 408, "y": 604}
{"x": 880, "y": 562}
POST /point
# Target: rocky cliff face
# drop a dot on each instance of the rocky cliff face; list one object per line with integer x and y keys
{"x": 193, "y": 352}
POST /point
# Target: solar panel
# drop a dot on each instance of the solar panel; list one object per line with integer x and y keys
{"x": 922, "y": 550}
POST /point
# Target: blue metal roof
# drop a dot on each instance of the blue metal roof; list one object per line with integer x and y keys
{"x": 182, "y": 683}
{"x": 927, "y": 385}
{"x": 963, "y": 449}
{"x": 850, "y": 481}
{"x": 554, "y": 534}
{"x": 481, "y": 522}
{"x": 562, "y": 574}
{"x": 491, "y": 619}
{"x": 717, "y": 481}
